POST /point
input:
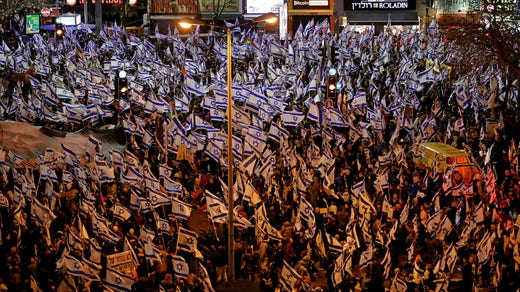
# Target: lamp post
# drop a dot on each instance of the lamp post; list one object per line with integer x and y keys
{"x": 126, "y": 6}
{"x": 186, "y": 23}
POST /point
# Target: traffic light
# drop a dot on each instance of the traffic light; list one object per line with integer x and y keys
{"x": 323, "y": 53}
{"x": 59, "y": 32}
{"x": 331, "y": 86}
{"x": 333, "y": 55}
{"x": 122, "y": 85}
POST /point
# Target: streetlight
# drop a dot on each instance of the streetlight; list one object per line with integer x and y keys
{"x": 187, "y": 23}
{"x": 126, "y": 6}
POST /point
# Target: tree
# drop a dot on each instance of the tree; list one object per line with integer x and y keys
{"x": 219, "y": 6}
{"x": 487, "y": 36}
{"x": 8, "y": 8}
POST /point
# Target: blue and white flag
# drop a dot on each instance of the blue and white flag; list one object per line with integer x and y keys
{"x": 105, "y": 172}
{"x": 289, "y": 277}
{"x": 151, "y": 251}
{"x": 484, "y": 248}
{"x": 171, "y": 186}
{"x": 276, "y": 132}
{"x": 94, "y": 146}
{"x": 180, "y": 209}
{"x": 121, "y": 212}
{"x": 315, "y": 113}
{"x": 248, "y": 164}
{"x": 72, "y": 265}
{"x": 214, "y": 150}
{"x": 117, "y": 281}
{"x": 216, "y": 207}
{"x": 292, "y": 118}
{"x": 163, "y": 226}
{"x": 359, "y": 100}
{"x": 157, "y": 198}
{"x": 194, "y": 87}
{"x": 186, "y": 240}
{"x": 366, "y": 257}
{"x": 180, "y": 267}
{"x": 426, "y": 76}
{"x": 336, "y": 118}
{"x": 116, "y": 157}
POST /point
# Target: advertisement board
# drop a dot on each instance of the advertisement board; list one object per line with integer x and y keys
{"x": 191, "y": 6}
{"x": 230, "y": 6}
{"x": 310, "y": 4}
{"x": 32, "y": 23}
{"x": 462, "y": 6}
{"x": 263, "y": 6}
{"x": 379, "y": 5}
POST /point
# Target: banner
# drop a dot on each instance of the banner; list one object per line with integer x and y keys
{"x": 121, "y": 262}
{"x": 27, "y": 140}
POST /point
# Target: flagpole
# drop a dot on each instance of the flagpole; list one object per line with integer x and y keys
{"x": 231, "y": 229}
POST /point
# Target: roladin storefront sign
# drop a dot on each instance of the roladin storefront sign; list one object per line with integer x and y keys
{"x": 379, "y": 4}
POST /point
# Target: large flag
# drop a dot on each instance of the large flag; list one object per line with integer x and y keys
{"x": 366, "y": 257}
{"x": 451, "y": 257}
{"x": 186, "y": 240}
{"x": 163, "y": 226}
{"x": 118, "y": 281}
{"x": 157, "y": 198}
{"x": 206, "y": 281}
{"x": 445, "y": 227}
{"x": 180, "y": 209}
{"x": 180, "y": 267}
{"x": 484, "y": 248}
{"x": 289, "y": 277}
{"x": 121, "y": 212}
{"x": 432, "y": 224}
{"x": 217, "y": 209}
{"x": 151, "y": 251}
{"x": 171, "y": 186}
{"x": 342, "y": 264}
{"x": 263, "y": 225}
{"x": 292, "y": 118}
{"x": 194, "y": 87}
{"x": 73, "y": 265}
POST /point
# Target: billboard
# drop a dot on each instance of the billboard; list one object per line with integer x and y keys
{"x": 32, "y": 23}
{"x": 263, "y": 6}
{"x": 379, "y": 5}
{"x": 310, "y": 4}
{"x": 208, "y": 6}
{"x": 190, "y": 6}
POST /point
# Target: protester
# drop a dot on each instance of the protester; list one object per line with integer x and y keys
{"x": 323, "y": 187}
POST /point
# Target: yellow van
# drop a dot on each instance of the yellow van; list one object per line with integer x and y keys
{"x": 444, "y": 157}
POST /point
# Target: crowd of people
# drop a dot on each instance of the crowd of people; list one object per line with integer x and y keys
{"x": 322, "y": 184}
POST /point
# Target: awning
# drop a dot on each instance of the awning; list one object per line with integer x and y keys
{"x": 51, "y": 27}
{"x": 381, "y": 17}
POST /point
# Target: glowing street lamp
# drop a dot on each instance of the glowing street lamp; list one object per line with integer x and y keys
{"x": 187, "y": 23}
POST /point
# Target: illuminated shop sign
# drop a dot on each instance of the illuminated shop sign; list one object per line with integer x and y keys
{"x": 379, "y": 4}
{"x": 310, "y": 4}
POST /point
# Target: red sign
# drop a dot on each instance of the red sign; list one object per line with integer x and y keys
{"x": 104, "y": 1}
{"x": 46, "y": 12}
{"x": 55, "y": 12}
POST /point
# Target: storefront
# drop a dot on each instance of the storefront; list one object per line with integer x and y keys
{"x": 402, "y": 13}
{"x": 303, "y": 11}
